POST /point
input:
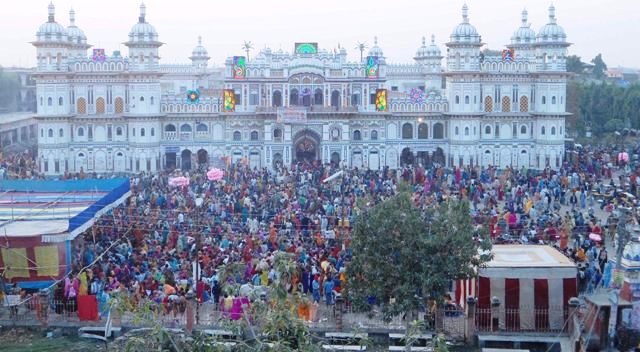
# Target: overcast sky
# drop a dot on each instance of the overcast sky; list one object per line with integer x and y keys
{"x": 593, "y": 26}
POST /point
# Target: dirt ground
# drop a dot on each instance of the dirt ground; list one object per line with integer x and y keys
{"x": 23, "y": 340}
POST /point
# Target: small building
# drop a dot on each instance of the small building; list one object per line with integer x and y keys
{"x": 18, "y": 132}
{"x": 39, "y": 219}
{"x": 522, "y": 296}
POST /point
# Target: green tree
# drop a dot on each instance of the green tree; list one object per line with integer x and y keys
{"x": 599, "y": 67}
{"x": 575, "y": 64}
{"x": 404, "y": 253}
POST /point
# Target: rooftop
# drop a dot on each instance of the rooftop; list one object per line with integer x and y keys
{"x": 520, "y": 256}
{"x": 15, "y": 117}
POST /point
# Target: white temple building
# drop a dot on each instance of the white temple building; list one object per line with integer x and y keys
{"x": 127, "y": 113}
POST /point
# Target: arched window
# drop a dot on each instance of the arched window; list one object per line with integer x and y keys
{"x": 374, "y": 135}
{"x": 152, "y": 100}
{"x": 81, "y": 106}
{"x": 186, "y": 128}
{"x": 466, "y": 99}
{"x": 277, "y": 134}
{"x": 60, "y": 101}
{"x": 237, "y": 136}
{"x": 423, "y": 131}
{"x": 153, "y": 132}
{"x": 293, "y": 97}
{"x": 457, "y": 99}
{"x": 169, "y": 128}
{"x": 523, "y": 130}
{"x": 457, "y": 131}
{"x": 438, "y": 131}
{"x": 335, "y": 98}
{"x": 357, "y": 136}
{"x": 487, "y": 130}
{"x": 407, "y": 131}
{"x": 277, "y": 99}
{"x": 49, "y": 101}
{"x": 466, "y": 131}
{"x": 80, "y": 132}
{"x": 317, "y": 97}
{"x": 141, "y": 99}
{"x": 100, "y": 106}
{"x": 61, "y": 133}
{"x": 42, "y": 133}
{"x": 202, "y": 128}
{"x": 488, "y": 104}
{"x": 542, "y": 130}
{"x": 355, "y": 99}
{"x": 119, "y": 105}
{"x": 524, "y": 104}
{"x": 506, "y": 104}
{"x": 254, "y": 135}
{"x": 50, "y": 133}
{"x": 142, "y": 132}
{"x": 553, "y": 100}
{"x": 544, "y": 99}
{"x": 553, "y": 130}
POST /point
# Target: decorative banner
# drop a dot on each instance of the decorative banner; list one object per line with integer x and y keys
{"x": 215, "y": 174}
{"x": 381, "y": 100}
{"x": 508, "y": 55}
{"x": 416, "y": 96}
{"x": 229, "y": 101}
{"x": 193, "y": 96}
{"x": 306, "y": 48}
{"x": 99, "y": 55}
{"x": 239, "y": 67}
{"x": 178, "y": 181}
{"x": 372, "y": 67}
{"x": 291, "y": 115}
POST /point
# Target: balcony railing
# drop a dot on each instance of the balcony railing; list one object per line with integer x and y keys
{"x": 171, "y": 136}
{"x": 202, "y": 134}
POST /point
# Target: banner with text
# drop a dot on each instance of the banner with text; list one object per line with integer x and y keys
{"x": 292, "y": 115}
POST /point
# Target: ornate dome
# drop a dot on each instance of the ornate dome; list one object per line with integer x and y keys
{"x": 551, "y": 32}
{"x": 422, "y": 51}
{"x": 433, "y": 50}
{"x": 143, "y": 31}
{"x": 375, "y": 49}
{"x": 200, "y": 51}
{"x": 51, "y": 31}
{"x": 75, "y": 34}
{"x": 524, "y": 34}
{"x": 465, "y": 32}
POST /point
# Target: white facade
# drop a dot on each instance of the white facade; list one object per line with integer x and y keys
{"x": 130, "y": 114}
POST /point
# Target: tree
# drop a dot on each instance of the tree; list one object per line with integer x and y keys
{"x": 405, "y": 254}
{"x": 599, "y": 67}
{"x": 361, "y": 46}
{"x": 247, "y": 46}
{"x": 575, "y": 64}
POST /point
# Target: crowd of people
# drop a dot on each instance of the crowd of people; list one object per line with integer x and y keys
{"x": 18, "y": 166}
{"x": 147, "y": 247}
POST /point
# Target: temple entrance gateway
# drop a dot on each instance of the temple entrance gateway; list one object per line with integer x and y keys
{"x": 306, "y": 146}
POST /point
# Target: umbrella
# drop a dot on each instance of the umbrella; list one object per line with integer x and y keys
{"x": 595, "y": 237}
{"x": 178, "y": 181}
{"x": 215, "y": 174}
